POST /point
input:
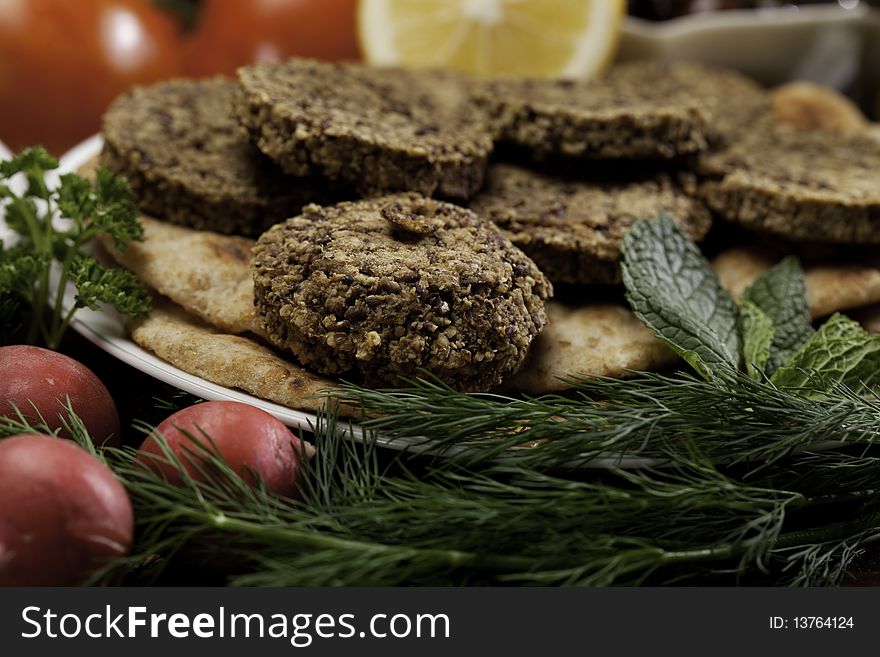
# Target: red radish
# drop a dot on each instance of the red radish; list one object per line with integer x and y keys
{"x": 251, "y": 441}
{"x": 33, "y": 377}
{"x": 63, "y": 513}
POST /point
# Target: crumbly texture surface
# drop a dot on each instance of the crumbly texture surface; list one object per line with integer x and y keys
{"x": 639, "y": 110}
{"x": 574, "y": 229}
{"x": 348, "y": 288}
{"x": 190, "y": 162}
{"x": 377, "y": 129}
{"x": 804, "y": 185}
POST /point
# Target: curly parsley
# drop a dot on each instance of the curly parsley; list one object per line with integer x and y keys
{"x": 29, "y": 301}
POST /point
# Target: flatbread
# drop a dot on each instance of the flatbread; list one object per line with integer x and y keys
{"x": 600, "y": 340}
{"x": 812, "y": 106}
{"x": 206, "y": 273}
{"x": 228, "y": 360}
{"x": 830, "y": 287}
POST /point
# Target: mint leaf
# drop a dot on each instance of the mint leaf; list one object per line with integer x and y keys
{"x": 673, "y": 289}
{"x": 757, "y": 334}
{"x": 781, "y": 295}
{"x": 841, "y": 351}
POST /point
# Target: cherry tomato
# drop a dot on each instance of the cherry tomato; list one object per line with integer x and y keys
{"x": 63, "y": 513}
{"x": 251, "y": 441}
{"x": 231, "y": 34}
{"x": 42, "y": 379}
{"x": 62, "y": 62}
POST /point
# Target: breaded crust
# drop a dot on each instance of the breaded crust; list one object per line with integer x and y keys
{"x": 379, "y": 130}
{"x": 573, "y": 229}
{"x": 190, "y": 162}
{"x": 801, "y": 184}
{"x": 639, "y": 110}
{"x": 353, "y": 287}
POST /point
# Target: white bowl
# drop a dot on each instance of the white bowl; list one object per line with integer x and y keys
{"x": 829, "y": 44}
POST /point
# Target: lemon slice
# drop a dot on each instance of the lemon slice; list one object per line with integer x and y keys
{"x": 539, "y": 38}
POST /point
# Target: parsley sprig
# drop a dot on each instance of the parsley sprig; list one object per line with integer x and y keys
{"x": 29, "y": 296}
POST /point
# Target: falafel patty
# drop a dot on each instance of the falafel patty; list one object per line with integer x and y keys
{"x": 573, "y": 229}
{"x": 378, "y": 129}
{"x": 800, "y": 184}
{"x": 190, "y": 162}
{"x": 636, "y": 110}
{"x": 388, "y": 286}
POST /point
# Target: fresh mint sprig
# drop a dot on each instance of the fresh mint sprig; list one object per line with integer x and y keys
{"x": 673, "y": 289}
{"x": 841, "y": 351}
{"x": 780, "y": 295}
{"x": 105, "y": 207}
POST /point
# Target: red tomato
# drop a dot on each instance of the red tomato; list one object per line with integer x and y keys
{"x": 250, "y": 441}
{"x": 62, "y": 62}
{"x": 231, "y": 34}
{"x": 63, "y": 513}
{"x": 35, "y": 377}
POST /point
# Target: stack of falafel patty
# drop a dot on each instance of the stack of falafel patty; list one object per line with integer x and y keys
{"x": 417, "y": 220}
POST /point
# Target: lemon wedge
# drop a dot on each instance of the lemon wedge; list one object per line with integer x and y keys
{"x": 536, "y": 38}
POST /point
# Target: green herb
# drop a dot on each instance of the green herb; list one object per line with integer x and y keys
{"x": 672, "y": 288}
{"x": 840, "y": 351}
{"x": 732, "y": 420}
{"x": 26, "y": 269}
{"x": 368, "y": 520}
{"x": 757, "y": 334}
{"x": 439, "y": 523}
{"x": 781, "y": 296}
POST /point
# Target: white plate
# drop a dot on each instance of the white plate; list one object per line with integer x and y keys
{"x": 828, "y": 43}
{"x": 105, "y": 329}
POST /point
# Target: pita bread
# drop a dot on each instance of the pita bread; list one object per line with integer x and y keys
{"x": 830, "y": 287}
{"x": 206, "y": 273}
{"x": 602, "y": 340}
{"x": 211, "y": 279}
{"x": 811, "y": 106}
{"x": 228, "y": 360}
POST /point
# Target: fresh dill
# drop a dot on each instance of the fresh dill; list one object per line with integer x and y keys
{"x": 759, "y": 467}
